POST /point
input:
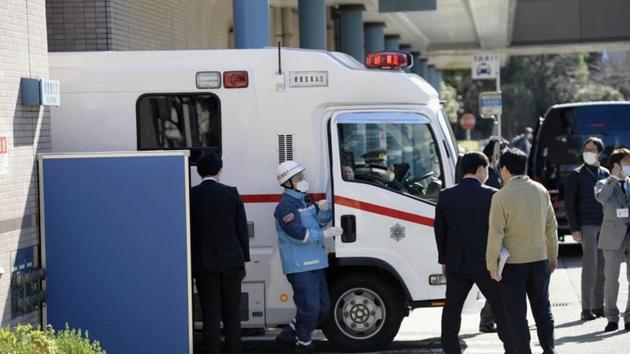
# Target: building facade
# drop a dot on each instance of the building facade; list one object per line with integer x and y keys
{"x": 24, "y": 132}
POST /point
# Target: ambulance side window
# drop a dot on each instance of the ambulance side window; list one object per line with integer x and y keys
{"x": 178, "y": 121}
{"x": 397, "y": 156}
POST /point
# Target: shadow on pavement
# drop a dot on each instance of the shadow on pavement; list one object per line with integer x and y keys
{"x": 570, "y": 324}
{"x": 590, "y": 337}
{"x": 264, "y": 346}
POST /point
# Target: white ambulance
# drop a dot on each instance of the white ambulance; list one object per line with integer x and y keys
{"x": 374, "y": 142}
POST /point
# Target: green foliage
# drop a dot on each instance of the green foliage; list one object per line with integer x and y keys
{"x": 451, "y": 106}
{"x": 595, "y": 92}
{"x": 531, "y": 84}
{"x": 519, "y": 107}
{"x": 25, "y": 340}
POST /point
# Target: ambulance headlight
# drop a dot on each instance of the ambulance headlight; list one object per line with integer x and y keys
{"x": 208, "y": 79}
{"x": 437, "y": 279}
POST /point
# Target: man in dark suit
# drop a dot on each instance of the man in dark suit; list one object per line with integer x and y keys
{"x": 461, "y": 233}
{"x": 220, "y": 248}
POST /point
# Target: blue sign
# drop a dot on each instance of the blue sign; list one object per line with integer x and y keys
{"x": 116, "y": 249}
{"x": 490, "y": 104}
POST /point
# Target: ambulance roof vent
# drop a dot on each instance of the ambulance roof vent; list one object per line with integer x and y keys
{"x": 285, "y": 147}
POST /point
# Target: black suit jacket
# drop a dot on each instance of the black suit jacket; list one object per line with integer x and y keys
{"x": 461, "y": 226}
{"x": 219, "y": 237}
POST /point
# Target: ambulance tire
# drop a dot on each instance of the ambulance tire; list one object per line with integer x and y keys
{"x": 366, "y": 312}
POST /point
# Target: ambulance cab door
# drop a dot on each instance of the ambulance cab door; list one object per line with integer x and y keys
{"x": 387, "y": 173}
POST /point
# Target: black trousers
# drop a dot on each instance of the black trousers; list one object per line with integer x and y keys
{"x": 520, "y": 282}
{"x": 220, "y": 297}
{"x": 458, "y": 286}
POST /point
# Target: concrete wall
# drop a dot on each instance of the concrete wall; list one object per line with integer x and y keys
{"x": 23, "y": 53}
{"x": 170, "y": 24}
{"x": 570, "y": 21}
{"x": 80, "y": 25}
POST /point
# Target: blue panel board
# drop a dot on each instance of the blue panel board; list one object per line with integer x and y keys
{"x": 116, "y": 251}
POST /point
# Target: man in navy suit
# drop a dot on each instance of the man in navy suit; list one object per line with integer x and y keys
{"x": 461, "y": 233}
{"x": 220, "y": 248}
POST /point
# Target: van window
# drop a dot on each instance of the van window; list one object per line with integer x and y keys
{"x": 559, "y": 146}
{"x": 178, "y": 121}
{"x": 400, "y": 155}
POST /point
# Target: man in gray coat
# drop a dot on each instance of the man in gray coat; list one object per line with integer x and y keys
{"x": 614, "y": 195}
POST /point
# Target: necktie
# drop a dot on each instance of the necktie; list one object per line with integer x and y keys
{"x": 623, "y": 186}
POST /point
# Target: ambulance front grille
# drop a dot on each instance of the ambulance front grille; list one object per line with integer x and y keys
{"x": 285, "y": 147}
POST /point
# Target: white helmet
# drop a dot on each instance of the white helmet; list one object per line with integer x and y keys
{"x": 288, "y": 169}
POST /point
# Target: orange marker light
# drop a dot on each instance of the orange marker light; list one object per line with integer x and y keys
{"x": 284, "y": 297}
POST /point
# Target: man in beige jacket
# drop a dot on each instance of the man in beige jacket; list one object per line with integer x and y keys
{"x": 523, "y": 221}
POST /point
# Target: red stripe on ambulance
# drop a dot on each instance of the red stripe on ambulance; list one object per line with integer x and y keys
{"x": 377, "y": 209}
{"x": 274, "y": 198}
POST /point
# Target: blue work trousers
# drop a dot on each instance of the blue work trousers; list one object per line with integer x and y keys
{"x": 310, "y": 295}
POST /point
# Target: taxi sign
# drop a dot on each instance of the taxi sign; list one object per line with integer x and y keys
{"x": 485, "y": 66}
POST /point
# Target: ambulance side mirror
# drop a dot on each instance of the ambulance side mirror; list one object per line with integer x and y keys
{"x": 349, "y": 226}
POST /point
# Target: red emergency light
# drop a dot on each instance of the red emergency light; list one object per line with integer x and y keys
{"x": 388, "y": 60}
{"x": 235, "y": 79}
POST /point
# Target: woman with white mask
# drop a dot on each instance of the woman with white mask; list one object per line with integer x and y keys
{"x": 585, "y": 219}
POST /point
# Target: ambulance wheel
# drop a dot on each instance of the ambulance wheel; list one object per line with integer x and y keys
{"x": 366, "y": 312}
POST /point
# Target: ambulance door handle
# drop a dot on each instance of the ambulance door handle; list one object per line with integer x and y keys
{"x": 349, "y": 226}
{"x": 251, "y": 230}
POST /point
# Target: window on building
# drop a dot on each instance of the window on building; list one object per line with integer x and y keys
{"x": 179, "y": 121}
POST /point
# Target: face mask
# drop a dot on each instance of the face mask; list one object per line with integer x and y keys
{"x": 590, "y": 158}
{"x": 302, "y": 186}
{"x": 626, "y": 170}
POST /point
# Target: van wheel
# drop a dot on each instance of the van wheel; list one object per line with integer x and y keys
{"x": 366, "y": 313}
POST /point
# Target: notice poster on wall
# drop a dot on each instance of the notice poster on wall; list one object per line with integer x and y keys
{"x": 4, "y": 154}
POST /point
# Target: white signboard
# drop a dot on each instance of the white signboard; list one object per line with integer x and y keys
{"x": 490, "y": 104}
{"x": 50, "y": 92}
{"x": 485, "y": 66}
{"x": 308, "y": 79}
{"x": 4, "y": 155}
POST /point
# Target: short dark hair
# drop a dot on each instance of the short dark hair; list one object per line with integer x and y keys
{"x": 514, "y": 160}
{"x": 209, "y": 164}
{"x": 488, "y": 150}
{"x": 618, "y": 155}
{"x": 472, "y": 160}
{"x": 599, "y": 144}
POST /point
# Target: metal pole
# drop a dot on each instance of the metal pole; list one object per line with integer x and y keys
{"x": 251, "y": 23}
{"x": 499, "y": 90}
{"x": 312, "y": 15}
{"x": 374, "y": 36}
{"x": 352, "y": 36}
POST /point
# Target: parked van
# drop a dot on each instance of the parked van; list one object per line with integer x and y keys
{"x": 557, "y": 146}
{"x": 261, "y": 107}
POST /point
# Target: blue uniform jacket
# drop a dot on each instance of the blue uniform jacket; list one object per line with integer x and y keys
{"x": 300, "y": 238}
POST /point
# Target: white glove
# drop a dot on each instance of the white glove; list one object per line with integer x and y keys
{"x": 323, "y": 204}
{"x": 332, "y": 232}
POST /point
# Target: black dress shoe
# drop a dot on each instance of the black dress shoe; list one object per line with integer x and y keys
{"x": 611, "y": 326}
{"x": 488, "y": 328}
{"x": 304, "y": 349}
{"x": 598, "y": 312}
{"x": 587, "y": 315}
{"x": 626, "y": 326}
{"x": 283, "y": 344}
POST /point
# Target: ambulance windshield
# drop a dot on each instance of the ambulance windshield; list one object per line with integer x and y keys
{"x": 396, "y": 151}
